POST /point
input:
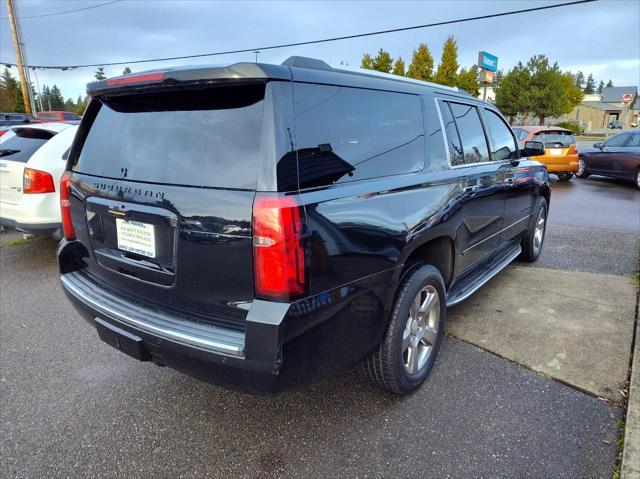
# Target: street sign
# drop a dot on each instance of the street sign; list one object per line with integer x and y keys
{"x": 486, "y": 76}
{"x": 487, "y": 61}
{"x": 626, "y": 98}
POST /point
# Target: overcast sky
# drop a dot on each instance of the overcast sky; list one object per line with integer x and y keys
{"x": 602, "y": 38}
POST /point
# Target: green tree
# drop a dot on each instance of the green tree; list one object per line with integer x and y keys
{"x": 590, "y": 86}
{"x": 398, "y": 67}
{"x": 468, "y": 80}
{"x": 367, "y": 62}
{"x": 12, "y": 93}
{"x": 572, "y": 94}
{"x": 579, "y": 79}
{"x": 448, "y": 68}
{"x": 421, "y": 66}
{"x": 512, "y": 93}
{"x": 99, "y": 75}
{"x": 69, "y": 105}
{"x": 609, "y": 84}
{"x": 383, "y": 61}
{"x": 46, "y": 98}
{"x": 547, "y": 88}
{"x": 600, "y": 87}
{"x": 126, "y": 71}
{"x": 497, "y": 77}
{"x": 57, "y": 100}
{"x": 81, "y": 105}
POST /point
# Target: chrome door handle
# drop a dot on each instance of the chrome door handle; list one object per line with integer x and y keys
{"x": 509, "y": 181}
{"x": 469, "y": 190}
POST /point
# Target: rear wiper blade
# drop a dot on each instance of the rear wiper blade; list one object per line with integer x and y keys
{"x": 7, "y": 152}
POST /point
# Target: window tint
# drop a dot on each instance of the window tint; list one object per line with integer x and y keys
{"x": 557, "y": 139}
{"x": 617, "y": 140}
{"x": 70, "y": 116}
{"x": 47, "y": 116}
{"x": 208, "y": 137}
{"x": 24, "y": 144}
{"x": 504, "y": 145}
{"x": 633, "y": 141}
{"x": 474, "y": 143}
{"x": 453, "y": 139}
{"x": 346, "y": 134}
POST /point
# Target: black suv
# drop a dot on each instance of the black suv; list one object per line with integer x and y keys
{"x": 262, "y": 226}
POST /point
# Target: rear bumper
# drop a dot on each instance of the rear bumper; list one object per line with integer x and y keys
{"x": 34, "y": 213}
{"x": 32, "y": 228}
{"x": 560, "y": 164}
{"x": 284, "y": 345}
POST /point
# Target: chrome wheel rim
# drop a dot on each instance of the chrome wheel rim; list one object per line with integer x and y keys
{"x": 421, "y": 330}
{"x": 538, "y": 233}
{"x": 580, "y": 166}
{"x": 638, "y": 179}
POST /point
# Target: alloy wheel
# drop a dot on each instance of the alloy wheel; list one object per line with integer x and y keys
{"x": 421, "y": 330}
{"x": 581, "y": 166}
{"x": 538, "y": 234}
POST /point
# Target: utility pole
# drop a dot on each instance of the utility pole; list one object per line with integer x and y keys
{"x": 17, "y": 45}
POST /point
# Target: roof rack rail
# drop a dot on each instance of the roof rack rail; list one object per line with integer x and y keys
{"x": 314, "y": 63}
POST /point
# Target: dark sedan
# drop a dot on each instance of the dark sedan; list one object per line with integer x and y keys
{"x": 618, "y": 157}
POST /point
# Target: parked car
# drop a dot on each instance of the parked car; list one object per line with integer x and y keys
{"x": 57, "y": 116}
{"x": 616, "y": 125}
{"x": 263, "y": 226}
{"x": 31, "y": 164}
{"x": 561, "y": 152}
{"x": 618, "y": 157}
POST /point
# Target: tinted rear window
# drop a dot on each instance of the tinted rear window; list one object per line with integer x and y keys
{"x": 555, "y": 138}
{"x": 206, "y": 137}
{"x": 24, "y": 144}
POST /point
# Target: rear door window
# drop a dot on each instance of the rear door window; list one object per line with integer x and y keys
{"x": 504, "y": 144}
{"x": 471, "y": 132}
{"x": 207, "y": 137}
{"x": 24, "y": 144}
{"x": 555, "y": 139}
{"x": 633, "y": 141}
{"x": 454, "y": 143}
{"x": 345, "y": 134}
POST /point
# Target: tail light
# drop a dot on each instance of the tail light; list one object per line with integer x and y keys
{"x": 278, "y": 248}
{"x": 65, "y": 206}
{"x": 2, "y": 132}
{"x": 573, "y": 149}
{"x": 36, "y": 181}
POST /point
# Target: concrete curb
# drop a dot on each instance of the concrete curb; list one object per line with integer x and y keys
{"x": 630, "y": 468}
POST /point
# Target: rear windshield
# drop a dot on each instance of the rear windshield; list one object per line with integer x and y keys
{"x": 205, "y": 137}
{"x": 24, "y": 144}
{"x": 555, "y": 138}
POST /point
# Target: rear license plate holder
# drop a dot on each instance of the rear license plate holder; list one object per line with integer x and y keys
{"x": 136, "y": 237}
{"x": 122, "y": 340}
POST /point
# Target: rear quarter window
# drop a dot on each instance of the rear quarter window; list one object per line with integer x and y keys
{"x": 345, "y": 134}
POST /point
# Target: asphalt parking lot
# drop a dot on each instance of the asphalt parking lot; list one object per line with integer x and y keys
{"x": 72, "y": 406}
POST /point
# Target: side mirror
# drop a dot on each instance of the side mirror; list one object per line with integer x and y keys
{"x": 533, "y": 148}
{"x": 598, "y": 145}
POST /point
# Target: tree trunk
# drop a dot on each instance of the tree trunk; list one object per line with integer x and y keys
{"x": 541, "y": 120}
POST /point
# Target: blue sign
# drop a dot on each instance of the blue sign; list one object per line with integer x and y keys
{"x": 487, "y": 61}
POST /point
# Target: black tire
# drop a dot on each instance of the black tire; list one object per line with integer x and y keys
{"x": 531, "y": 249}
{"x": 638, "y": 178}
{"x": 386, "y": 366}
{"x": 583, "y": 169}
{"x": 565, "y": 176}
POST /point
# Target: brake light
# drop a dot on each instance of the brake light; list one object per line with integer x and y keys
{"x": 36, "y": 181}
{"x": 65, "y": 206}
{"x": 278, "y": 248}
{"x": 141, "y": 78}
{"x": 2, "y": 132}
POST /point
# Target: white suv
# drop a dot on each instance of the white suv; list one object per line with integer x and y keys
{"x": 31, "y": 163}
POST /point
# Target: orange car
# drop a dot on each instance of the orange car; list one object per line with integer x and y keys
{"x": 561, "y": 157}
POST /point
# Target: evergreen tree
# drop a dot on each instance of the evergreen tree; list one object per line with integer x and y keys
{"x": 497, "y": 77}
{"x": 398, "y": 67}
{"x": 448, "y": 68}
{"x": 57, "y": 100}
{"x": 421, "y": 66}
{"x": 609, "y": 84}
{"x": 600, "y": 87}
{"x": 383, "y": 62}
{"x": 69, "y": 105}
{"x": 81, "y": 105}
{"x": 548, "y": 89}
{"x": 468, "y": 81}
{"x": 13, "y": 92}
{"x": 99, "y": 75}
{"x": 579, "y": 80}
{"x": 367, "y": 62}
{"x": 46, "y": 98}
{"x": 590, "y": 86}
{"x": 126, "y": 71}
{"x": 512, "y": 93}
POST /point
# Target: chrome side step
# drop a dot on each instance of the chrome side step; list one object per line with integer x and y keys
{"x": 457, "y": 296}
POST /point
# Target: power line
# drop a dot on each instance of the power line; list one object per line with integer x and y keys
{"x": 66, "y": 11}
{"x": 312, "y": 42}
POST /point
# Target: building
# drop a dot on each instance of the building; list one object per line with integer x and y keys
{"x": 596, "y": 112}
